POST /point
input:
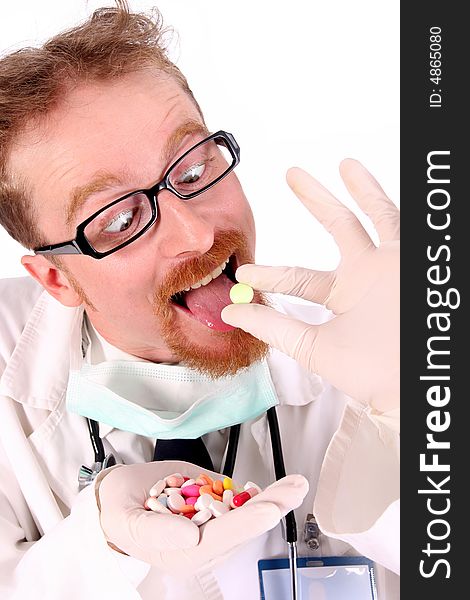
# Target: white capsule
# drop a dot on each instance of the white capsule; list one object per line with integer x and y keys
{"x": 227, "y": 497}
{"x": 175, "y": 502}
{"x": 171, "y": 490}
{"x": 250, "y": 484}
{"x": 189, "y": 482}
{"x": 203, "y": 502}
{"x": 157, "y": 488}
{"x": 156, "y": 506}
{"x": 201, "y": 517}
{"x": 218, "y": 508}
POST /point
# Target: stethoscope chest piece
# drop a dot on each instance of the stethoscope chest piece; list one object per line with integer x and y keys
{"x": 86, "y": 475}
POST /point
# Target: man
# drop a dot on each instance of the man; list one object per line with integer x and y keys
{"x": 138, "y": 225}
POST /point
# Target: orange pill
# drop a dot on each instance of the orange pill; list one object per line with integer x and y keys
{"x": 207, "y": 489}
{"x": 206, "y": 478}
{"x": 218, "y": 487}
{"x": 187, "y": 508}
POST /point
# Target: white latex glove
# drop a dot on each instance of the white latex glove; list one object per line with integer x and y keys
{"x": 358, "y": 350}
{"x": 172, "y": 542}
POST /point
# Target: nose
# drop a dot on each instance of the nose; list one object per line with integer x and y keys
{"x": 183, "y": 231}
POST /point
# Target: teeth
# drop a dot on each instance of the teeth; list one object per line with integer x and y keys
{"x": 208, "y": 278}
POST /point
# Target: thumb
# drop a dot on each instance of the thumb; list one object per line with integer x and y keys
{"x": 291, "y": 336}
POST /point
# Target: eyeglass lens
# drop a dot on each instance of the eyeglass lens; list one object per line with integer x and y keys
{"x": 125, "y": 220}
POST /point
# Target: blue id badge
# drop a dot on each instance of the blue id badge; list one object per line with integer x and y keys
{"x": 322, "y": 578}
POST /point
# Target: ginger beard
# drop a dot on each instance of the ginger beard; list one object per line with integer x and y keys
{"x": 232, "y": 350}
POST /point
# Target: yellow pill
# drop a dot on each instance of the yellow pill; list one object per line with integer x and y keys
{"x": 227, "y": 483}
{"x": 241, "y": 293}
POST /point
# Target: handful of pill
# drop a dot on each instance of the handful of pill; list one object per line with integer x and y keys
{"x": 199, "y": 499}
{"x": 241, "y": 293}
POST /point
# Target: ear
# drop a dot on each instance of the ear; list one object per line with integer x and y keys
{"x": 52, "y": 279}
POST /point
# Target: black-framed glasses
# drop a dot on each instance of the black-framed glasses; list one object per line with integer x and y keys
{"x": 124, "y": 220}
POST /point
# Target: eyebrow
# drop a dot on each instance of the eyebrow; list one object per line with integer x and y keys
{"x": 104, "y": 180}
{"x": 175, "y": 139}
{"x": 100, "y": 183}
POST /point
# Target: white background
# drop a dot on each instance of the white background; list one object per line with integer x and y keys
{"x": 303, "y": 82}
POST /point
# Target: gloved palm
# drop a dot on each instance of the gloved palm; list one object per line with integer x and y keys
{"x": 357, "y": 350}
{"x": 172, "y": 542}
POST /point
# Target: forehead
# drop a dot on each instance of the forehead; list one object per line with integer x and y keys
{"x": 116, "y": 127}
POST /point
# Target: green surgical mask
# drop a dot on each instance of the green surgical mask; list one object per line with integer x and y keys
{"x": 182, "y": 403}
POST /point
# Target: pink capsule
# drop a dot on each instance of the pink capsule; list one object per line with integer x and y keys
{"x": 242, "y": 497}
{"x": 191, "y": 500}
{"x": 190, "y": 490}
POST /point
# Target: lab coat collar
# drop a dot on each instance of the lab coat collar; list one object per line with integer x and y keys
{"x": 38, "y": 369}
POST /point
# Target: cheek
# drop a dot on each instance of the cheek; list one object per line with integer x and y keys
{"x": 115, "y": 281}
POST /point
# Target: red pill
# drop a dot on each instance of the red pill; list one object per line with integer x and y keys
{"x": 242, "y": 497}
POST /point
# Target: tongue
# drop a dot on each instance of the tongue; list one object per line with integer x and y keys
{"x": 207, "y": 302}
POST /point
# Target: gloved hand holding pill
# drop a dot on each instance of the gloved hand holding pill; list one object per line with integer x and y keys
{"x": 172, "y": 542}
{"x": 357, "y": 350}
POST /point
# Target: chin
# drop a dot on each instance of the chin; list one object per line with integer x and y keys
{"x": 223, "y": 354}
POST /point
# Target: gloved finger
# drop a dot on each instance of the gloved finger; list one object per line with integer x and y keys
{"x": 337, "y": 219}
{"x": 219, "y": 537}
{"x": 291, "y": 336}
{"x": 296, "y": 281}
{"x": 371, "y": 198}
{"x": 258, "y": 515}
{"x": 286, "y": 493}
{"x": 142, "y": 533}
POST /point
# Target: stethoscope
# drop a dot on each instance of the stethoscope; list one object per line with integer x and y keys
{"x": 102, "y": 461}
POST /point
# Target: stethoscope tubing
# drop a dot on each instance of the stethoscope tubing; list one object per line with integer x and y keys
{"x": 229, "y": 465}
{"x": 234, "y": 436}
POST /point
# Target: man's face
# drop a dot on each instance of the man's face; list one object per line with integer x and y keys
{"x": 126, "y": 134}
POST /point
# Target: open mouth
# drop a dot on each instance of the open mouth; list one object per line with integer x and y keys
{"x": 205, "y": 299}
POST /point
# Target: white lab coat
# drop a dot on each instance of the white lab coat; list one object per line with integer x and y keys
{"x": 51, "y": 544}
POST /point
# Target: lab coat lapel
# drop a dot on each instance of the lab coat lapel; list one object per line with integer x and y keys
{"x": 36, "y": 376}
{"x": 38, "y": 370}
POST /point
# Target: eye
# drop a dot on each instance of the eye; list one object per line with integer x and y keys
{"x": 192, "y": 174}
{"x": 121, "y": 222}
